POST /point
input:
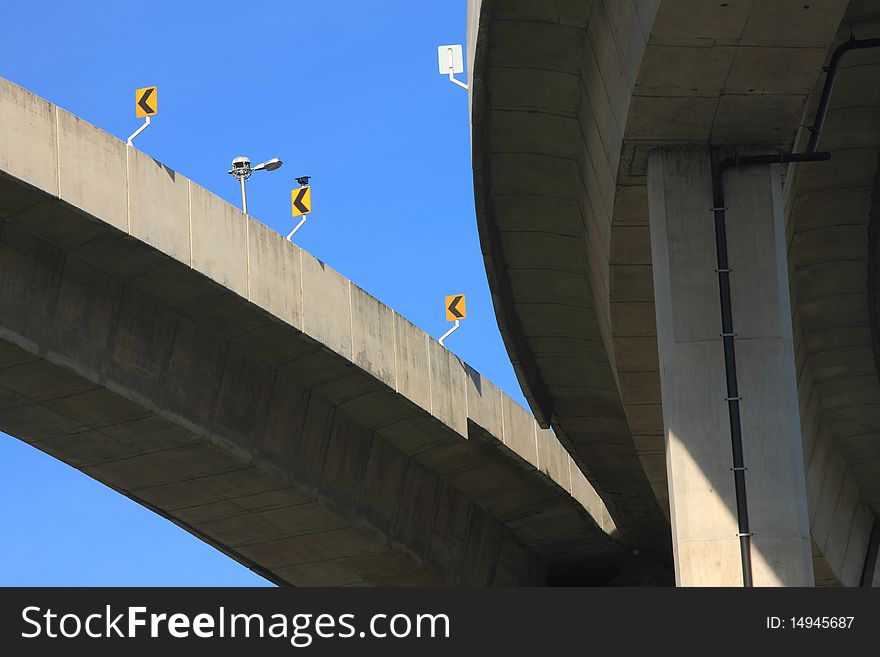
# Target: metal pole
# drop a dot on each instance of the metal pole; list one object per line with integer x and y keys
{"x": 298, "y": 226}
{"x": 243, "y": 195}
{"x": 449, "y": 332}
{"x": 454, "y": 81}
{"x": 452, "y": 71}
{"x": 138, "y": 131}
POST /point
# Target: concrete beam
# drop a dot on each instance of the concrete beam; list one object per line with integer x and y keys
{"x": 251, "y": 393}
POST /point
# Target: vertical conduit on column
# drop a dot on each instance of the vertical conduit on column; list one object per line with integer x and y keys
{"x": 733, "y": 398}
{"x": 719, "y": 167}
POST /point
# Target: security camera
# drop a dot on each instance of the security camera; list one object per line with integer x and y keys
{"x": 303, "y": 180}
{"x": 241, "y": 162}
{"x": 241, "y": 167}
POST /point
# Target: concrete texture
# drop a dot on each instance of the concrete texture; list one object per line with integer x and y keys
{"x": 190, "y": 358}
{"x": 702, "y": 499}
{"x": 567, "y": 99}
{"x": 831, "y": 239}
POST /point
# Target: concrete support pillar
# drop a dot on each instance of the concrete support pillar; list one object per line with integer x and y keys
{"x": 692, "y": 373}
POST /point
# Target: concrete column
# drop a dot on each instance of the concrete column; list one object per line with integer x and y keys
{"x": 692, "y": 374}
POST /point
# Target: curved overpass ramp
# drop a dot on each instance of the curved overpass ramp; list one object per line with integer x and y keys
{"x": 182, "y": 353}
{"x": 569, "y": 100}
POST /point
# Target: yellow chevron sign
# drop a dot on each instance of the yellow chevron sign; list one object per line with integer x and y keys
{"x": 455, "y": 307}
{"x": 145, "y": 102}
{"x": 301, "y": 200}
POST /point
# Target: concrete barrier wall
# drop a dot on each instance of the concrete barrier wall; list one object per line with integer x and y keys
{"x": 196, "y": 314}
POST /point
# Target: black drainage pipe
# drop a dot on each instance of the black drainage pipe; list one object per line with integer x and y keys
{"x": 830, "y": 76}
{"x": 719, "y": 167}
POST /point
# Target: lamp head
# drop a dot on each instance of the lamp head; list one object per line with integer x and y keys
{"x": 269, "y": 165}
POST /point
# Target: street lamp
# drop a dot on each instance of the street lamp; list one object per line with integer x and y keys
{"x": 242, "y": 170}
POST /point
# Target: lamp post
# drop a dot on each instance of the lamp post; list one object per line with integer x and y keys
{"x": 242, "y": 170}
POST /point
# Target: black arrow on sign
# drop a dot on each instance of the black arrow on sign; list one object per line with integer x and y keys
{"x": 297, "y": 202}
{"x": 452, "y": 307}
{"x": 143, "y": 101}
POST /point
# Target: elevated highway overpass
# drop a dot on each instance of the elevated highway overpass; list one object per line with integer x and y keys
{"x": 187, "y": 356}
{"x": 184, "y": 354}
{"x": 594, "y": 125}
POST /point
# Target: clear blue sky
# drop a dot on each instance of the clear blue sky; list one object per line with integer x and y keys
{"x": 347, "y": 92}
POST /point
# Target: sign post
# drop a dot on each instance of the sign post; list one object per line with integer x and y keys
{"x": 301, "y": 204}
{"x": 145, "y": 106}
{"x": 456, "y": 310}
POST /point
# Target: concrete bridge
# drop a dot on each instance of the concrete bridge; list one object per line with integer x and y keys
{"x": 187, "y": 356}
{"x": 597, "y": 131}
